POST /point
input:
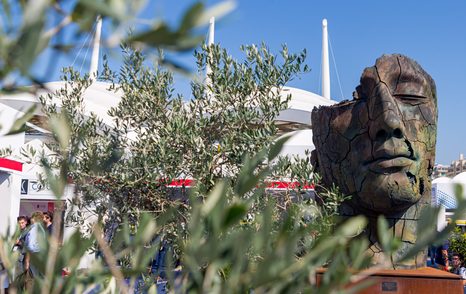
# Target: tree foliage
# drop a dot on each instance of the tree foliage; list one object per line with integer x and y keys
{"x": 458, "y": 241}
{"x": 222, "y": 253}
{"x": 30, "y": 28}
{"x": 156, "y": 137}
{"x": 230, "y": 235}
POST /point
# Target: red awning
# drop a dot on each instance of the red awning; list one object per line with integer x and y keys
{"x": 10, "y": 165}
{"x": 278, "y": 185}
{"x": 287, "y": 185}
{"x": 181, "y": 183}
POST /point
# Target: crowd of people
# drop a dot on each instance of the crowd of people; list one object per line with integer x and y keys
{"x": 440, "y": 258}
{"x": 32, "y": 235}
{"x": 34, "y": 231}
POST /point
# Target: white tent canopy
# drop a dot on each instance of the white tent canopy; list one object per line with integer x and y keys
{"x": 460, "y": 178}
{"x": 301, "y": 105}
{"x": 441, "y": 180}
{"x": 97, "y": 99}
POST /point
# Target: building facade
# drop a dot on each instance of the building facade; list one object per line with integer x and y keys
{"x": 456, "y": 167}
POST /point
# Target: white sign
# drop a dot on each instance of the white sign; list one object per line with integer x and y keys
{"x": 34, "y": 187}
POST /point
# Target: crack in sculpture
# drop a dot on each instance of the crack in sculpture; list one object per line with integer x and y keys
{"x": 380, "y": 147}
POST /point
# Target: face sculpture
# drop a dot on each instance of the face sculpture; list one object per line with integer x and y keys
{"x": 380, "y": 147}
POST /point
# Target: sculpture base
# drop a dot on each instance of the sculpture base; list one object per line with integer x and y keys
{"x": 422, "y": 280}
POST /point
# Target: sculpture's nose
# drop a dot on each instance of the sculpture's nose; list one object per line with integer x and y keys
{"x": 386, "y": 117}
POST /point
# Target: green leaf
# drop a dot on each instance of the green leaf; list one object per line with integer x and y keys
{"x": 34, "y": 12}
{"x": 7, "y": 10}
{"x": 219, "y": 10}
{"x": 159, "y": 35}
{"x": 352, "y": 227}
{"x": 84, "y": 16}
{"x": 56, "y": 182}
{"x": 428, "y": 217}
{"x": 247, "y": 179}
{"x": 278, "y": 146}
{"x": 234, "y": 214}
{"x": 26, "y": 49}
{"x": 214, "y": 197}
{"x": 176, "y": 66}
{"x": 427, "y": 232}
{"x": 19, "y": 125}
{"x": 186, "y": 43}
{"x": 162, "y": 36}
{"x": 113, "y": 9}
{"x": 357, "y": 253}
{"x": 383, "y": 233}
{"x": 146, "y": 231}
{"x": 190, "y": 17}
{"x": 61, "y": 129}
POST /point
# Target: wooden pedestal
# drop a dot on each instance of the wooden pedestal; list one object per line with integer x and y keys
{"x": 423, "y": 280}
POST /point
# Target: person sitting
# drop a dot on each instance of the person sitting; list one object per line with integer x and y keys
{"x": 457, "y": 265}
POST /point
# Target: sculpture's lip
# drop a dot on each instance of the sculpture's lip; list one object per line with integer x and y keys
{"x": 390, "y": 163}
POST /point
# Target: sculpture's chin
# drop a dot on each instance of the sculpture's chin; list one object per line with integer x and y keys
{"x": 387, "y": 194}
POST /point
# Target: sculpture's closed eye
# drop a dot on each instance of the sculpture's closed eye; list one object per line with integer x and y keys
{"x": 409, "y": 97}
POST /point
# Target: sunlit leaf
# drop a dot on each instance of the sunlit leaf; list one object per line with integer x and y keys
{"x": 219, "y": 10}
{"x": 383, "y": 233}
{"x": 26, "y": 49}
{"x": 61, "y": 129}
{"x": 19, "y": 125}
{"x": 278, "y": 146}
{"x": 352, "y": 227}
{"x": 233, "y": 214}
{"x": 114, "y": 9}
{"x": 190, "y": 17}
{"x": 213, "y": 198}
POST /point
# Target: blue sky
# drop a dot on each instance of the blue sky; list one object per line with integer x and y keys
{"x": 431, "y": 32}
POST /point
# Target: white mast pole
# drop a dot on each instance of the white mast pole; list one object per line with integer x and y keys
{"x": 210, "y": 41}
{"x": 211, "y": 31}
{"x": 325, "y": 62}
{"x": 96, "y": 49}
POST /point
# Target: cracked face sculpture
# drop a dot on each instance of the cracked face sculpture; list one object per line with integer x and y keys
{"x": 380, "y": 147}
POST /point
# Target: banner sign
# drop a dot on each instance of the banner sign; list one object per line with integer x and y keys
{"x": 34, "y": 187}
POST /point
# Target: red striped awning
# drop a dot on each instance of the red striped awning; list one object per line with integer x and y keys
{"x": 181, "y": 183}
{"x": 279, "y": 185}
{"x": 287, "y": 185}
{"x": 10, "y": 165}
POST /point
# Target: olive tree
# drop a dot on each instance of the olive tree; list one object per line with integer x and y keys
{"x": 157, "y": 136}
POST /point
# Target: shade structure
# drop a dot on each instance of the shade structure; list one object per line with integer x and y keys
{"x": 298, "y": 114}
{"x": 97, "y": 99}
{"x": 460, "y": 178}
{"x": 9, "y": 165}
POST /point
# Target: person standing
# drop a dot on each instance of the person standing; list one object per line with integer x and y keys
{"x": 34, "y": 242}
{"x": 458, "y": 268}
{"x": 23, "y": 223}
{"x": 4, "y": 282}
{"x": 441, "y": 256}
{"x": 48, "y": 222}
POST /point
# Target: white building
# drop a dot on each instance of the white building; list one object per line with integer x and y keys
{"x": 456, "y": 167}
{"x": 443, "y": 190}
